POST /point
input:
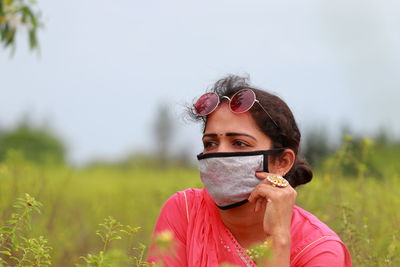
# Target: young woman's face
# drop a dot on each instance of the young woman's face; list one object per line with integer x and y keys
{"x": 229, "y": 132}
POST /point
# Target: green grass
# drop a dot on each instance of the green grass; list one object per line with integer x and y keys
{"x": 76, "y": 201}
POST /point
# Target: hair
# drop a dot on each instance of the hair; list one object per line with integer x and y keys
{"x": 286, "y": 135}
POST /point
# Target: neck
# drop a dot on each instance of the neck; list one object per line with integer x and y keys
{"x": 245, "y": 224}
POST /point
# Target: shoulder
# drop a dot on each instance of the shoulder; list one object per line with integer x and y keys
{"x": 174, "y": 213}
{"x": 306, "y": 225}
{"x": 177, "y": 205}
{"x": 314, "y": 242}
{"x": 185, "y": 197}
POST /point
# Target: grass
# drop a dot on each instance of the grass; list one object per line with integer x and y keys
{"x": 76, "y": 201}
{"x": 361, "y": 208}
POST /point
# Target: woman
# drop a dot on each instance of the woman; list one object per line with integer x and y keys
{"x": 249, "y": 168}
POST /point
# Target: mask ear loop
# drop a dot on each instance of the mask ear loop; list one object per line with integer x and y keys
{"x": 266, "y": 154}
{"x": 265, "y": 162}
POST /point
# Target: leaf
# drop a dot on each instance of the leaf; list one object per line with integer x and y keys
{"x": 28, "y": 12}
{"x": 5, "y": 252}
{"x": 8, "y": 2}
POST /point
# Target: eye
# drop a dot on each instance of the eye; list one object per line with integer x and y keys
{"x": 240, "y": 143}
{"x": 209, "y": 144}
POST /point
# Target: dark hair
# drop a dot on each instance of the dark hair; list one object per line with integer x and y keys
{"x": 287, "y": 133}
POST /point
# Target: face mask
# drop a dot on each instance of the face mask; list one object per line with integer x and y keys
{"x": 229, "y": 177}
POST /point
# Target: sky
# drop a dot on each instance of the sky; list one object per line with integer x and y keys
{"x": 104, "y": 68}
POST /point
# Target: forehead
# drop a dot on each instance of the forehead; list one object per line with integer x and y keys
{"x": 223, "y": 121}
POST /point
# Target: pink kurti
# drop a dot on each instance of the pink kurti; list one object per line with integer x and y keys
{"x": 201, "y": 238}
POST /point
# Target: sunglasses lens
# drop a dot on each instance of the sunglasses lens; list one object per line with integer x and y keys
{"x": 242, "y": 101}
{"x": 206, "y": 104}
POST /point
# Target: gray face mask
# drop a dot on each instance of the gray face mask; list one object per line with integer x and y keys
{"x": 229, "y": 177}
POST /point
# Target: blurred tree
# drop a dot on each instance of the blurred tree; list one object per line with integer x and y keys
{"x": 17, "y": 14}
{"x": 163, "y": 131}
{"x": 355, "y": 158}
{"x": 382, "y": 137}
{"x": 316, "y": 146}
{"x": 37, "y": 145}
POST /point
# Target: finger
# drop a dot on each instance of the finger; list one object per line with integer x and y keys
{"x": 262, "y": 190}
{"x": 258, "y": 192}
{"x": 258, "y": 204}
{"x": 263, "y": 204}
{"x": 262, "y": 175}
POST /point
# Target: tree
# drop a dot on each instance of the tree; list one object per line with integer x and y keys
{"x": 36, "y": 144}
{"x": 163, "y": 132}
{"x": 15, "y": 15}
{"x": 316, "y": 146}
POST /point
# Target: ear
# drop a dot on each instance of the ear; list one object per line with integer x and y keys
{"x": 282, "y": 163}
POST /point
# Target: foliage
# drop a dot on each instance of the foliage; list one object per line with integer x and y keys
{"x": 359, "y": 203}
{"x": 36, "y": 144}
{"x": 316, "y": 147}
{"x": 18, "y": 250}
{"x": 261, "y": 253}
{"x": 353, "y": 159}
{"x": 15, "y": 247}
{"x": 17, "y": 14}
{"x": 360, "y": 199}
{"x": 113, "y": 230}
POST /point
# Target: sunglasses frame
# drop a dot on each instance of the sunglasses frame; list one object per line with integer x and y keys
{"x": 255, "y": 100}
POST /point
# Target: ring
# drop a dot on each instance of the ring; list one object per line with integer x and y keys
{"x": 277, "y": 181}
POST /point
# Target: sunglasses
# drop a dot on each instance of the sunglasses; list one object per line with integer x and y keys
{"x": 240, "y": 102}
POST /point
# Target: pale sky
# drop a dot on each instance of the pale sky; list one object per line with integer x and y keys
{"x": 104, "y": 67}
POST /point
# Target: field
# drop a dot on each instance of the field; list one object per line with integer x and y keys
{"x": 352, "y": 194}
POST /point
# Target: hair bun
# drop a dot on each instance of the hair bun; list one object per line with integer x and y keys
{"x": 300, "y": 173}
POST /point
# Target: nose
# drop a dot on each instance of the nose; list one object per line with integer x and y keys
{"x": 224, "y": 146}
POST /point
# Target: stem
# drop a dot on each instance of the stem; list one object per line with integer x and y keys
{"x": 105, "y": 244}
{"x": 20, "y": 218}
{"x": 23, "y": 258}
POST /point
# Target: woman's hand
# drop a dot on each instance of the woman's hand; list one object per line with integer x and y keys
{"x": 278, "y": 203}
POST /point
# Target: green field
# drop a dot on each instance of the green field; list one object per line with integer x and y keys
{"x": 355, "y": 197}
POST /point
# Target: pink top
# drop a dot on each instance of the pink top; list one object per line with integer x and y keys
{"x": 201, "y": 238}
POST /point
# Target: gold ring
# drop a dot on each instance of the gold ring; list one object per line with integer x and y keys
{"x": 277, "y": 181}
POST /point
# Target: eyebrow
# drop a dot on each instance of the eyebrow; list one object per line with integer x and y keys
{"x": 210, "y": 135}
{"x": 230, "y": 134}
